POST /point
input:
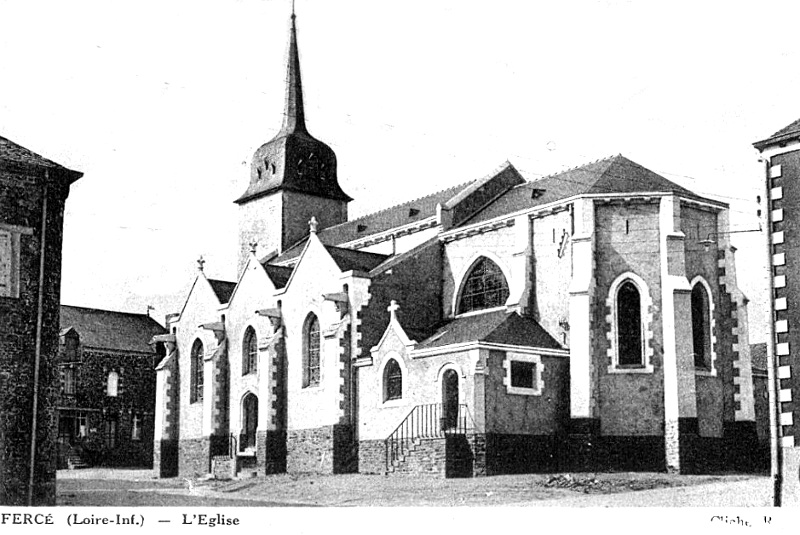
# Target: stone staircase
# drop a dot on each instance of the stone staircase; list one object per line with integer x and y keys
{"x": 424, "y": 456}
{"x": 75, "y": 461}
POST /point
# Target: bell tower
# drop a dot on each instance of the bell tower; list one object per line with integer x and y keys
{"x": 292, "y": 178}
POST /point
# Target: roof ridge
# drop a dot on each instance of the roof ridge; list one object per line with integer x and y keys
{"x": 108, "y": 311}
{"x": 573, "y": 168}
{"x": 388, "y": 208}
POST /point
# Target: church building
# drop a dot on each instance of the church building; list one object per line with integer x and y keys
{"x": 587, "y": 320}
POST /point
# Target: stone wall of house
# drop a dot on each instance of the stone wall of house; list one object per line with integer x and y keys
{"x": 21, "y": 196}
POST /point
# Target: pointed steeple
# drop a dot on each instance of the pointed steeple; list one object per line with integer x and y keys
{"x": 294, "y": 114}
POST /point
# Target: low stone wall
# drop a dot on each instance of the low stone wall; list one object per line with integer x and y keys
{"x": 194, "y": 457}
{"x": 223, "y": 467}
{"x": 372, "y": 457}
{"x": 326, "y": 450}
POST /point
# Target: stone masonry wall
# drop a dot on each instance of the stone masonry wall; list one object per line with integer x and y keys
{"x": 21, "y": 207}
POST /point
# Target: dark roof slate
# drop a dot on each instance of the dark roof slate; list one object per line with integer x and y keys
{"x": 498, "y": 326}
{"x": 613, "y": 175}
{"x": 18, "y": 155}
{"x": 279, "y": 275}
{"x": 377, "y": 222}
{"x": 784, "y": 134}
{"x": 120, "y": 331}
{"x": 222, "y": 289}
{"x": 349, "y": 259}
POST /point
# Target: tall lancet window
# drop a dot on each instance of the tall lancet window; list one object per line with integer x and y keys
{"x": 701, "y": 326}
{"x": 250, "y": 352}
{"x": 629, "y": 325}
{"x": 196, "y": 378}
{"x": 311, "y": 352}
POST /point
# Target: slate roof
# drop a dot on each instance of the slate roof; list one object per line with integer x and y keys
{"x": 784, "y": 134}
{"x": 377, "y": 222}
{"x": 121, "y": 331}
{"x": 499, "y": 326}
{"x": 17, "y": 155}
{"x": 616, "y": 174}
{"x": 222, "y": 289}
{"x": 279, "y": 275}
{"x": 758, "y": 356}
{"x": 349, "y": 259}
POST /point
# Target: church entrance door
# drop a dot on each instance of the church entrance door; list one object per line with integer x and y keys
{"x": 249, "y": 421}
{"x": 449, "y": 399}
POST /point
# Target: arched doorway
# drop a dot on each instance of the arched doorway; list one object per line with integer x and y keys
{"x": 449, "y": 399}
{"x": 249, "y": 421}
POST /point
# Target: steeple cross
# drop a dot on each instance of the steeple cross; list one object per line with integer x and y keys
{"x": 200, "y": 262}
{"x": 393, "y": 308}
{"x": 312, "y": 225}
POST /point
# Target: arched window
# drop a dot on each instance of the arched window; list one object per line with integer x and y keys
{"x": 196, "y": 379}
{"x": 112, "y": 384}
{"x": 311, "y": 352}
{"x": 701, "y": 326}
{"x": 484, "y": 287}
{"x": 629, "y": 325}
{"x": 250, "y": 352}
{"x": 392, "y": 381}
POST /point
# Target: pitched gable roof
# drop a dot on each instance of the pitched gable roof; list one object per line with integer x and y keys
{"x": 121, "y": 331}
{"x": 17, "y": 155}
{"x": 787, "y": 133}
{"x": 349, "y": 259}
{"x": 377, "y": 222}
{"x": 613, "y": 175}
{"x": 499, "y": 326}
{"x": 279, "y": 275}
{"x": 222, "y": 289}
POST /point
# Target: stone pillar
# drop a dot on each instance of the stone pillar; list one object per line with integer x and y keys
{"x": 167, "y": 411}
{"x": 271, "y": 434}
{"x": 216, "y": 394}
{"x": 680, "y": 401}
{"x": 478, "y": 442}
{"x": 520, "y": 265}
{"x": 584, "y": 427}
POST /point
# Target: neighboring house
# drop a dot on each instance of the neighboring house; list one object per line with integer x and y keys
{"x": 33, "y": 193}
{"x": 780, "y": 154}
{"x": 588, "y": 320}
{"x": 107, "y": 396}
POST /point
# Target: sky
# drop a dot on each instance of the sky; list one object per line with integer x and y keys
{"x": 161, "y": 105}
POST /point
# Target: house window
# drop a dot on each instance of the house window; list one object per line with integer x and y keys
{"x": 71, "y": 345}
{"x": 112, "y": 384}
{"x": 629, "y": 326}
{"x": 250, "y": 352}
{"x": 311, "y": 352}
{"x": 701, "y": 326}
{"x": 69, "y": 381}
{"x": 136, "y": 427}
{"x": 523, "y": 374}
{"x": 484, "y": 287}
{"x": 110, "y": 433}
{"x": 393, "y": 381}
{"x": 196, "y": 384}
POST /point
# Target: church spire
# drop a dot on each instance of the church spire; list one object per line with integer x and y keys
{"x": 294, "y": 114}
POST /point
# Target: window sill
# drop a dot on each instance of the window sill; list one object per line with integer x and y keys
{"x": 522, "y": 391}
{"x": 392, "y": 403}
{"x": 705, "y": 372}
{"x": 634, "y": 370}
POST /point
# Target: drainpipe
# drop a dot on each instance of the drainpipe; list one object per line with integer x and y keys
{"x": 38, "y": 350}
{"x": 772, "y": 390}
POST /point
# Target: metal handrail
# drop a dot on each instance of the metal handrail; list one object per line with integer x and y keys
{"x": 232, "y": 445}
{"x": 426, "y": 421}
